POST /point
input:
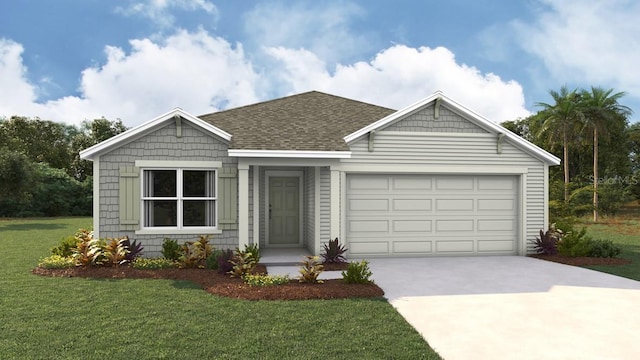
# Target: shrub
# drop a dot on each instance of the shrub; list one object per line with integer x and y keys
{"x": 333, "y": 252}
{"x": 171, "y": 250}
{"x": 565, "y": 225}
{"x": 574, "y": 244}
{"x": 153, "y": 264}
{"x": 57, "y": 262}
{"x": 224, "y": 261}
{"x": 612, "y": 197}
{"x": 254, "y": 250}
{"x": 310, "y": 270}
{"x": 603, "y": 249}
{"x": 115, "y": 251}
{"x": 134, "y": 248}
{"x": 243, "y": 262}
{"x": 547, "y": 242}
{"x": 265, "y": 280}
{"x": 195, "y": 253}
{"x": 66, "y": 246}
{"x": 357, "y": 273}
{"x": 89, "y": 250}
{"x": 212, "y": 260}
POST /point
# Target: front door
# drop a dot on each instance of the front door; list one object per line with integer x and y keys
{"x": 284, "y": 210}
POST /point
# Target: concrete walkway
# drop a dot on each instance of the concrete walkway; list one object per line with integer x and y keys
{"x": 514, "y": 307}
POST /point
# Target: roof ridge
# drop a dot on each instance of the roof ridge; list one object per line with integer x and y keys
{"x": 289, "y": 97}
{"x": 350, "y": 99}
{"x": 258, "y": 103}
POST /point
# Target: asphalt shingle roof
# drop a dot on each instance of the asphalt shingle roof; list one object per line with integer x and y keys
{"x": 311, "y": 121}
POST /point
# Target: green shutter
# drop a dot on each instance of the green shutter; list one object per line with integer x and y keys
{"x": 228, "y": 198}
{"x": 129, "y": 196}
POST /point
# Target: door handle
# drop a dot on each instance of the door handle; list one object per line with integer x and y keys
{"x": 269, "y": 211}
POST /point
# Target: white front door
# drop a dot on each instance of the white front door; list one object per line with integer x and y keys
{"x": 284, "y": 210}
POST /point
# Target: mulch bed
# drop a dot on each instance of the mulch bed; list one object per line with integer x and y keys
{"x": 581, "y": 261}
{"x": 224, "y": 285}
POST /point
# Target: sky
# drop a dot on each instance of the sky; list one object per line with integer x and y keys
{"x": 75, "y": 60}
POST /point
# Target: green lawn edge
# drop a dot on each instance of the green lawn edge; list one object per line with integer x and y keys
{"x": 73, "y": 318}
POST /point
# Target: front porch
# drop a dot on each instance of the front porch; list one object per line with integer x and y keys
{"x": 283, "y": 256}
{"x": 288, "y": 207}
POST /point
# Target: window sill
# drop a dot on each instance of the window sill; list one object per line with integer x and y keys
{"x": 174, "y": 231}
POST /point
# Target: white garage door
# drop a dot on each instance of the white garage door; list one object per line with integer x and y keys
{"x": 395, "y": 215}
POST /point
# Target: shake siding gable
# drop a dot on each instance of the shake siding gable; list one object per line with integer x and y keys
{"x": 161, "y": 144}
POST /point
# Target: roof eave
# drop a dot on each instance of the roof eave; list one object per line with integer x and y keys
{"x": 293, "y": 154}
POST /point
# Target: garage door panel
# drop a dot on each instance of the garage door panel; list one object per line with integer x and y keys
{"x": 496, "y": 225}
{"x": 496, "y": 204}
{"x": 411, "y": 205}
{"x": 454, "y": 225}
{"x": 373, "y": 248}
{"x": 411, "y": 247}
{"x": 455, "y": 246}
{"x": 369, "y": 183}
{"x": 412, "y": 183}
{"x": 431, "y": 214}
{"x": 412, "y": 226}
{"x": 454, "y": 204}
{"x": 454, "y": 183}
{"x": 369, "y": 205}
{"x": 495, "y": 183}
{"x": 496, "y": 246}
{"x": 368, "y": 226}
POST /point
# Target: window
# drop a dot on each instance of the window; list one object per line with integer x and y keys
{"x": 179, "y": 198}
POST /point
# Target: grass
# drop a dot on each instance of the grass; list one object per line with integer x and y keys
{"x": 624, "y": 231}
{"x": 72, "y": 318}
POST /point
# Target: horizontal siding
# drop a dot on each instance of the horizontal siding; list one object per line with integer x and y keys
{"x": 420, "y": 149}
{"x": 325, "y": 205}
{"x": 309, "y": 207}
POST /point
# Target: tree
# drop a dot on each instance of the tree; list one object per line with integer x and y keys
{"x": 40, "y": 140}
{"x": 600, "y": 107}
{"x": 562, "y": 115}
{"x": 633, "y": 134}
{"x": 16, "y": 175}
{"x": 520, "y": 127}
{"x": 91, "y": 133}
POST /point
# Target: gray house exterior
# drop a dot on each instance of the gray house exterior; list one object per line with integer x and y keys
{"x": 432, "y": 179}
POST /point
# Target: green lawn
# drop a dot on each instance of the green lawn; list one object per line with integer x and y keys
{"x": 623, "y": 230}
{"x": 54, "y": 318}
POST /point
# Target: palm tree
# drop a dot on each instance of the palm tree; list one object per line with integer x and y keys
{"x": 600, "y": 107}
{"x": 560, "y": 119}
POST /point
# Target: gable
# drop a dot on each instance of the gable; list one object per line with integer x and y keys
{"x": 178, "y": 117}
{"x": 163, "y": 144}
{"x": 424, "y": 120}
{"x": 438, "y": 101}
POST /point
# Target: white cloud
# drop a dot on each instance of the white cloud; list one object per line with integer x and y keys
{"x": 323, "y": 28}
{"x": 15, "y": 91}
{"x": 401, "y": 75}
{"x": 159, "y": 11}
{"x": 587, "y": 42}
{"x": 194, "y": 71}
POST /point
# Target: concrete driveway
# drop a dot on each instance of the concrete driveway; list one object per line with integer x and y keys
{"x": 514, "y": 307}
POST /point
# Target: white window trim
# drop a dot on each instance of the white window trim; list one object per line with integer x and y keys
{"x": 179, "y": 167}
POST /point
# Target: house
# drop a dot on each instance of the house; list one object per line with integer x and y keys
{"x": 432, "y": 179}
